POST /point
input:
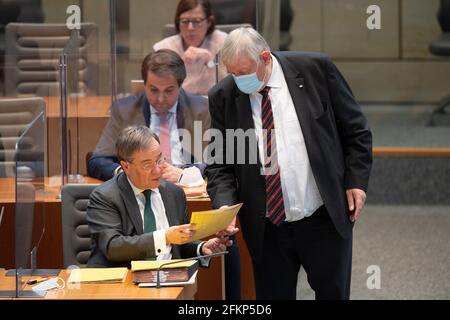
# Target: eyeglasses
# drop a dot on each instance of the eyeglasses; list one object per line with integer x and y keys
{"x": 150, "y": 166}
{"x": 195, "y": 22}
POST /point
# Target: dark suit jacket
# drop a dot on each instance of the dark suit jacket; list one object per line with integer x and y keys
{"x": 135, "y": 111}
{"x": 116, "y": 228}
{"x": 337, "y": 138}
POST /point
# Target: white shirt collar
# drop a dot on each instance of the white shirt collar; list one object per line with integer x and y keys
{"x": 171, "y": 110}
{"x": 276, "y": 78}
{"x": 137, "y": 191}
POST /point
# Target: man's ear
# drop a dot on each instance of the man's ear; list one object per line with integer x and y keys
{"x": 266, "y": 56}
{"x": 124, "y": 165}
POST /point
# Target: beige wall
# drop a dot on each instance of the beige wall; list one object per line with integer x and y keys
{"x": 388, "y": 65}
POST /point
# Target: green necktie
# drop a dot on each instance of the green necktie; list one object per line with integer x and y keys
{"x": 149, "y": 217}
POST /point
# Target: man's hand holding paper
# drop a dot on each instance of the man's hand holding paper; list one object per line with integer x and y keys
{"x": 230, "y": 230}
{"x": 180, "y": 234}
{"x": 219, "y": 222}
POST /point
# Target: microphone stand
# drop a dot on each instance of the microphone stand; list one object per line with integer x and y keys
{"x": 158, "y": 281}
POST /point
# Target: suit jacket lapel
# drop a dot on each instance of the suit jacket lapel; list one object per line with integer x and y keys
{"x": 183, "y": 114}
{"x": 244, "y": 112}
{"x": 168, "y": 202}
{"x": 146, "y": 109}
{"x": 296, "y": 86}
{"x": 130, "y": 202}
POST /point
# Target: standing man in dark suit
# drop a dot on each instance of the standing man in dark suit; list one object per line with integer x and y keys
{"x": 165, "y": 108}
{"x": 312, "y": 158}
{"x": 135, "y": 215}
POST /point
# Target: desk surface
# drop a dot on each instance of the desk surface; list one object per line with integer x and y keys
{"x": 86, "y": 107}
{"x": 52, "y": 189}
{"x": 111, "y": 291}
{"x": 50, "y": 254}
{"x": 50, "y": 193}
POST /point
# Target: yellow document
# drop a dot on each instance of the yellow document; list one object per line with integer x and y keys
{"x": 98, "y": 275}
{"x": 211, "y": 221}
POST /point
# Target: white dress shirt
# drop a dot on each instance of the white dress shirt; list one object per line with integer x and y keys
{"x": 301, "y": 195}
{"x": 162, "y": 249}
{"x": 175, "y": 144}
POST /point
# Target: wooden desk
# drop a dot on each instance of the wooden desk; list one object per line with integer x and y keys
{"x": 114, "y": 291}
{"x": 6, "y": 284}
{"x": 50, "y": 253}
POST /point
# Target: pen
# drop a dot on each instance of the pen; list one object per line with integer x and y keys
{"x": 33, "y": 281}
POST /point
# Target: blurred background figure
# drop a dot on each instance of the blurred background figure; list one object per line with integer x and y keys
{"x": 197, "y": 42}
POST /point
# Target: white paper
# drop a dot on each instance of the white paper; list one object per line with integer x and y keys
{"x": 192, "y": 177}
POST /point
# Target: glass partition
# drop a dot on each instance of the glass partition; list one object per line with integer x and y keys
{"x": 82, "y": 118}
{"x": 30, "y": 218}
{"x": 84, "y": 96}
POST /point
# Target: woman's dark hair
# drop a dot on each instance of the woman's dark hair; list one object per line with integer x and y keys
{"x": 186, "y": 5}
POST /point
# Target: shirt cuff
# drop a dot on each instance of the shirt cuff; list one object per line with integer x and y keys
{"x": 204, "y": 262}
{"x": 159, "y": 239}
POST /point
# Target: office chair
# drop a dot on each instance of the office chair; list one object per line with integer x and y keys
{"x": 15, "y": 115}
{"x": 441, "y": 47}
{"x": 32, "y": 58}
{"x": 169, "y": 29}
{"x": 76, "y": 235}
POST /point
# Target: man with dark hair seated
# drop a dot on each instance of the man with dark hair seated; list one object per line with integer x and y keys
{"x": 164, "y": 107}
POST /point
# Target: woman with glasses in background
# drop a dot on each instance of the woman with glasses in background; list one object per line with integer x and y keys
{"x": 197, "y": 42}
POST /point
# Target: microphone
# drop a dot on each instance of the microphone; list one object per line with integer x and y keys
{"x": 212, "y": 255}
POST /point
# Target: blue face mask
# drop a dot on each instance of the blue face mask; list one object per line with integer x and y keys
{"x": 248, "y": 83}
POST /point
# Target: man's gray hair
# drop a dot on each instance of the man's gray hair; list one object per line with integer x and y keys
{"x": 133, "y": 139}
{"x": 245, "y": 42}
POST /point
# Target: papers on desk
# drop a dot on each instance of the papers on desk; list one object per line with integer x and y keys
{"x": 170, "y": 284}
{"x": 193, "y": 184}
{"x": 211, "y": 221}
{"x": 192, "y": 177}
{"x": 96, "y": 275}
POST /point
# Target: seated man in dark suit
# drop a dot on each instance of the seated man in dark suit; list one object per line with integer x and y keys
{"x": 178, "y": 118}
{"x": 136, "y": 215}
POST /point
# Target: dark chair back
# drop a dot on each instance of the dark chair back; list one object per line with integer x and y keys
{"x": 76, "y": 235}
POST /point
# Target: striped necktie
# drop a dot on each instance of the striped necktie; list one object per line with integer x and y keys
{"x": 274, "y": 194}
